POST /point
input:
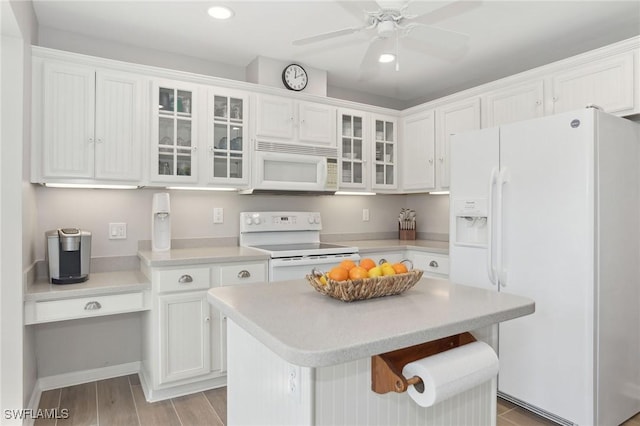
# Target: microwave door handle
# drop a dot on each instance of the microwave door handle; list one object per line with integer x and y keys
{"x": 323, "y": 171}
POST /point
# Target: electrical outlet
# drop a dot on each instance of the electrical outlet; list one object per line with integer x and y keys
{"x": 218, "y": 215}
{"x": 117, "y": 231}
{"x": 365, "y": 215}
{"x": 293, "y": 381}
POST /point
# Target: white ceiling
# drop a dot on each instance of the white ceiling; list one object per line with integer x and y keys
{"x": 505, "y": 37}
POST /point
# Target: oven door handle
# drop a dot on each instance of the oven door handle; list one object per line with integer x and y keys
{"x": 319, "y": 260}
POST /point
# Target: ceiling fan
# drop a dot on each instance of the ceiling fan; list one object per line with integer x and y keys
{"x": 392, "y": 24}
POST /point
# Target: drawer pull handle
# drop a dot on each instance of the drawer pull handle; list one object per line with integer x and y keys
{"x": 433, "y": 264}
{"x": 92, "y": 306}
{"x": 185, "y": 279}
{"x": 244, "y": 274}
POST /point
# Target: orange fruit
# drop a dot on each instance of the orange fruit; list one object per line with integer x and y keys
{"x": 358, "y": 272}
{"x": 338, "y": 274}
{"x": 367, "y": 263}
{"x": 400, "y": 268}
{"x": 347, "y": 264}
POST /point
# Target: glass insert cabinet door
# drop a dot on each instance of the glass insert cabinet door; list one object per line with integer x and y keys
{"x": 385, "y": 153}
{"x": 175, "y": 128}
{"x": 352, "y": 173}
{"x": 227, "y": 123}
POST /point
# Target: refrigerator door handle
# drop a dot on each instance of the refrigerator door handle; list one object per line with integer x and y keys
{"x": 503, "y": 178}
{"x": 491, "y": 267}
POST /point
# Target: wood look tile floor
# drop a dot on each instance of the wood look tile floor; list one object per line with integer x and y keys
{"x": 120, "y": 402}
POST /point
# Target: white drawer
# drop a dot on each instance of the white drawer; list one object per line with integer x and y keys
{"x": 83, "y": 307}
{"x": 432, "y": 263}
{"x": 243, "y": 273}
{"x": 183, "y": 279}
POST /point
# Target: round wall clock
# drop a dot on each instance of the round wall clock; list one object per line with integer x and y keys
{"x": 294, "y": 77}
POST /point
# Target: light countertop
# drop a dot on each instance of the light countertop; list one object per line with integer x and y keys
{"x": 193, "y": 256}
{"x": 369, "y": 246}
{"x": 98, "y": 283}
{"x": 309, "y": 329}
{"x": 216, "y": 254}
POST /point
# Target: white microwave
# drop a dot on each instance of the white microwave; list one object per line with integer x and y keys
{"x": 285, "y": 167}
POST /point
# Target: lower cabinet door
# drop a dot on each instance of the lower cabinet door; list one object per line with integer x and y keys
{"x": 185, "y": 347}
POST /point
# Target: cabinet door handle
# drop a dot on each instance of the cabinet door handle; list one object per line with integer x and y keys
{"x": 441, "y": 159}
{"x": 207, "y": 319}
{"x": 92, "y": 306}
{"x": 381, "y": 261}
{"x": 433, "y": 264}
{"x": 99, "y": 140}
{"x": 430, "y": 160}
{"x": 90, "y": 140}
{"x": 244, "y": 274}
{"x": 185, "y": 279}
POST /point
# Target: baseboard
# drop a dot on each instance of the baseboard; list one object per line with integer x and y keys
{"x": 175, "y": 391}
{"x": 85, "y": 376}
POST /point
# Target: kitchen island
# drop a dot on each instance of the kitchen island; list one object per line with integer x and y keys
{"x": 298, "y": 357}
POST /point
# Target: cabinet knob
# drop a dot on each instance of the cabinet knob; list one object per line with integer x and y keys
{"x": 430, "y": 160}
{"x": 538, "y": 102}
{"x": 555, "y": 99}
{"x": 99, "y": 140}
{"x": 185, "y": 279}
{"x": 90, "y": 140}
{"x": 244, "y": 274}
{"x": 207, "y": 319}
{"x": 433, "y": 264}
{"x": 92, "y": 306}
{"x": 441, "y": 159}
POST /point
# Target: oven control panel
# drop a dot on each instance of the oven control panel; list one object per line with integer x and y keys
{"x": 279, "y": 221}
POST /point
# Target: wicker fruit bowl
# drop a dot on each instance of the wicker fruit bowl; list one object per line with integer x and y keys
{"x": 366, "y": 288}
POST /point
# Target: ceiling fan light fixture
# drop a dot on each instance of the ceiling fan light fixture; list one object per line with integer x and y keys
{"x": 220, "y": 12}
{"x": 385, "y": 58}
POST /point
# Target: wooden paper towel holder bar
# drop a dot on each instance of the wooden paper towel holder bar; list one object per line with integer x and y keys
{"x": 386, "y": 368}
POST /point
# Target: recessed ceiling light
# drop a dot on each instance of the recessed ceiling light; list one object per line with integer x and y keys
{"x": 220, "y": 12}
{"x": 386, "y": 58}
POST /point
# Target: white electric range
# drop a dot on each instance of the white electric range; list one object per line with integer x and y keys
{"x": 292, "y": 240}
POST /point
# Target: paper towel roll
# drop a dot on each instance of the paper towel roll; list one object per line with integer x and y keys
{"x": 451, "y": 372}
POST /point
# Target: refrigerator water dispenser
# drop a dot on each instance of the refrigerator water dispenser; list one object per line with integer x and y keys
{"x": 471, "y": 222}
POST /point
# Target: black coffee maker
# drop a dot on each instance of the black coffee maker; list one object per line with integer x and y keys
{"x": 69, "y": 255}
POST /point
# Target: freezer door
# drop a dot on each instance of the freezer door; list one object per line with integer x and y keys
{"x": 474, "y": 156}
{"x": 547, "y": 172}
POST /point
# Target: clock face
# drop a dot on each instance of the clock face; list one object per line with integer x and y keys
{"x": 294, "y": 77}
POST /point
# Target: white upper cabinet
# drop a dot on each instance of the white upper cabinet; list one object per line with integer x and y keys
{"x": 456, "y": 117}
{"x": 91, "y": 124}
{"x": 384, "y": 152}
{"x": 174, "y": 141}
{"x": 288, "y": 120}
{"x": 354, "y": 148}
{"x": 417, "y": 152}
{"x": 227, "y": 151}
{"x": 607, "y": 83}
{"x": 521, "y": 101}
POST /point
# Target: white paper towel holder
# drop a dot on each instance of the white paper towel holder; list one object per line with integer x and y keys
{"x": 386, "y": 368}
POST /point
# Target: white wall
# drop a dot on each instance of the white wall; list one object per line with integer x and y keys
{"x": 17, "y": 374}
{"x": 63, "y": 40}
{"x": 192, "y": 214}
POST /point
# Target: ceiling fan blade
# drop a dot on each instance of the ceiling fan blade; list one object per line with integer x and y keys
{"x": 359, "y": 9}
{"x": 455, "y": 8}
{"x": 370, "y": 67}
{"x": 326, "y": 36}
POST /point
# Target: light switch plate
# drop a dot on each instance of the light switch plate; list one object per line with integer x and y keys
{"x": 117, "y": 231}
{"x": 218, "y": 215}
{"x": 365, "y": 215}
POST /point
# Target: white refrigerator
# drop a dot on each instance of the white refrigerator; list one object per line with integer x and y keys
{"x": 549, "y": 209}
